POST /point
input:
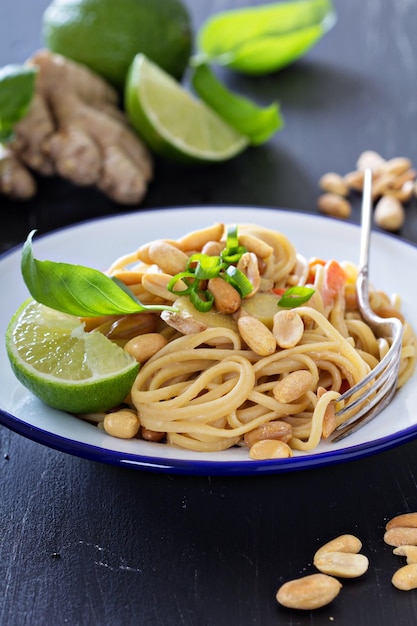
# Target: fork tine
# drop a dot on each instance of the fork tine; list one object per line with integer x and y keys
{"x": 372, "y": 394}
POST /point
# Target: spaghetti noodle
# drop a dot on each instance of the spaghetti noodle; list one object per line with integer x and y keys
{"x": 210, "y": 387}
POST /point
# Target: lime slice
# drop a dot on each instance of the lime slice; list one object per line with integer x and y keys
{"x": 67, "y": 368}
{"x": 174, "y": 123}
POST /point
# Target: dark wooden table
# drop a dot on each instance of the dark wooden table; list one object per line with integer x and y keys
{"x": 84, "y": 543}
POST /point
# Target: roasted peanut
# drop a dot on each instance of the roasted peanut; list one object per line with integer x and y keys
{"x": 403, "y": 193}
{"x": 168, "y": 257}
{"x": 329, "y": 418}
{"x": 410, "y": 552}
{"x": 198, "y": 238}
{"x": 293, "y": 386}
{"x": 405, "y": 578}
{"x": 396, "y": 166}
{"x": 248, "y": 265}
{"x": 123, "y": 424}
{"x": 309, "y": 592}
{"x": 157, "y": 283}
{"x": 256, "y": 245}
{"x": 334, "y": 183}
{"x": 213, "y": 248}
{"x": 333, "y": 205}
{"x": 271, "y": 430}
{"x": 405, "y": 520}
{"x": 256, "y": 335}
{"x": 226, "y": 298}
{"x": 342, "y": 564}
{"x": 371, "y": 159}
{"x": 288, "y": 328}
{"x": 151, "y": 435}
{"x": 354, "y": 180}
{"x": 131, "y": 325}
{"x": 389, "y": 213}
{"x": 143, "y": 252}
{"x": 269, "y": 449}
{"x": 343, "y": 543}
{"x": 401, "y": 536}
{"x": 144, "y": 346}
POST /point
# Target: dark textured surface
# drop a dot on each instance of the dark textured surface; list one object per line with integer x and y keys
{"x": 83, "y": 543}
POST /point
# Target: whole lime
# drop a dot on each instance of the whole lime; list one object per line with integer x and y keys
{"x": 105, "y": 35}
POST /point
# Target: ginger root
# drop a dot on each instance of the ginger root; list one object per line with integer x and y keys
{"x": 75, "y": 129}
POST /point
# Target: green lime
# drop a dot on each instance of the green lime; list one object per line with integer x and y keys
{"x": 67, "y": 368}
{"x": 174, "y": 123}
{"x": 105, "y": 35}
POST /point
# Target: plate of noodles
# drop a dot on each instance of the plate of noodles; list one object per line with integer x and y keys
{"x": 222, "y": 389}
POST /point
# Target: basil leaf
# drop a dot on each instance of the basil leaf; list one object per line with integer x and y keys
{"x": 17, "y": 86}
{"x": 266, "y": 38}
{"x": 295, "y": 296}
{"x": 257, "y": 123}
{"x": 76, "y": 289}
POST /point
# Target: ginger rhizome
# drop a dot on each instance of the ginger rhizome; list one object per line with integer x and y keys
{"x": 74, "y": 128}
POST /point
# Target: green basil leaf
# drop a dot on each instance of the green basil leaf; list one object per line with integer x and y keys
{"x": 257, "y": 123}
{"x": 17, "y": 86}
{"x": 295, "y": 296}
{"x": 266, "y": 38}
{"x": 76, "y": 289}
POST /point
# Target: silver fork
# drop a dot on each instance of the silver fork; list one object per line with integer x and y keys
{"x": 372, "y": 394}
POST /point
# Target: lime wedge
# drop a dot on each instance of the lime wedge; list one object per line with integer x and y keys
{"x": 172, "y": 122}
{"x": 67, "y": 368}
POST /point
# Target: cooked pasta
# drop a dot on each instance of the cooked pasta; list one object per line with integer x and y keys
{"x": 213, "y": 384}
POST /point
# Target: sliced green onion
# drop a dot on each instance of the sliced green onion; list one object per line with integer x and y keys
{"x": 295, "y": 296}
{"x": 207, "y": 266}
{"x": 238, "y": 280}
{"x": 182, "y": 276}
{"x": 201, "y": 300}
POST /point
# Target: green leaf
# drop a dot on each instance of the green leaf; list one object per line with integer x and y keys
{"x": 295, "y": 296}
{"x": 17, "y": 86}
{"x": 266, "y": 38}
{"x": 76, "y": 289}
{"x": 257, "y": 123}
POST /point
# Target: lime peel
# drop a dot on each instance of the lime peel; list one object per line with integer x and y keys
{"x": 173, "y": 122}
{"x": 65, "y": 367}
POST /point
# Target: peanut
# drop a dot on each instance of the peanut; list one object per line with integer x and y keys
{"x": 226, "y": 298}
{"x": 151, "y": 435}
{"x": 397, "y": 166}
{"x": 256, "y": 245}
{"x": 343, "y": 543}
{"x": 271, "y": 430}
{"x": 334, "y": 183}
{"x": 198, "y": 238}
{"x": 248, "y": 265}
{"x": 410, "y": 552}
{"x": 168, "y": 257}
{"x": 288, "y": 328}
{"x": 334, "y": 205}
{"x": 343, "y": 564}
{"x": 309, "y": 592}
{"x": 389, "y": 213}
{"x": 406, "y": 577}
{"x": 143, "y": 252}
{"x": 354, "y": 180}
{"x": 269, "y": 449}
{"x": 256, "y": 335}
{"x": 143, "y": 347}
{"x": 401, "y": 536}
{"x": 405, "y": 520}
{"x": 403, "y": 193}
{"x": 212, "y": 248}
{"x": 371, "y": 159}
{"x": 123, "y": 424}
{"x": 157, "y": 283}
{"x": 293, "y": 386}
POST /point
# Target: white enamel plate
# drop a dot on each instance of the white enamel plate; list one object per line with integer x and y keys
{"x": 97, "y": 243}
